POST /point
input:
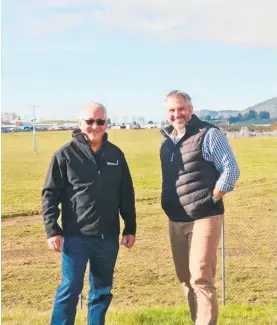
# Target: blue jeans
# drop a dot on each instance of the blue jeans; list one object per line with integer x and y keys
{"x": 77, "y": 251}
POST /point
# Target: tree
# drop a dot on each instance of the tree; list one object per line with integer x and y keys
{"x": 240, "y": 117}
{"x": 208, "y": 117}
{"x": 150, "y": 122}
{"x": 252, "y": 115}
{"x": 232, "y": 119}
{"x": 263, "y": 115}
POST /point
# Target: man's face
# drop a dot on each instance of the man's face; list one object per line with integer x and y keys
{"x": 93, "y": 131}
{"x": 178, "y": 112}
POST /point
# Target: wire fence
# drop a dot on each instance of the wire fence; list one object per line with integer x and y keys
{"x": 246, "y": 268}
{"x": 248, "y": 262}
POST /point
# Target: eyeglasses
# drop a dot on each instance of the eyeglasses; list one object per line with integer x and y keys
{"x": 99, "y": 121}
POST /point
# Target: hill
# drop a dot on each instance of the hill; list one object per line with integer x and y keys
{"x": 268, "y": 106}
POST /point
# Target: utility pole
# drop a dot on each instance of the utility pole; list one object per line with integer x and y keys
{"x": 34, "y": 129}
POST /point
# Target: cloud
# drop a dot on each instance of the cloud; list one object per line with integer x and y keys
{"x": 245, "y": 22}
{"x": 54, "y": 23}
{"x": 250, "y": 23}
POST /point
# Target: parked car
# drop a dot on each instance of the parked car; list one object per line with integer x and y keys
{"x": 26, "y": 128}
{"x": 14, "y": 129}
{"x": 56, "y": 128}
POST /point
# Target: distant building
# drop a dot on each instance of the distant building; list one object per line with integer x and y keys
{"x": 244, "y": 131}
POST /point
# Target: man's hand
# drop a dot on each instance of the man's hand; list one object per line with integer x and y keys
{"x": 128, "y": 240}
{"x": 218, "y": 193}
{"x": 55, "y": 243}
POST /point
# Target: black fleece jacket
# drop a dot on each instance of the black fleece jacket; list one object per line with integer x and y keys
{"x": 92, "y": 188}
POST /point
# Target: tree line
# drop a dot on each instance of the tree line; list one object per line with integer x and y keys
{"x": 251, "y": 115}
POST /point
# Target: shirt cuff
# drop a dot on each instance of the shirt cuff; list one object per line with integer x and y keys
{"x": 224, "y": 187}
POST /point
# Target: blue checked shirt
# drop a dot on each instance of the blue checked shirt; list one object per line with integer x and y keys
{"x": 216, "y": 149}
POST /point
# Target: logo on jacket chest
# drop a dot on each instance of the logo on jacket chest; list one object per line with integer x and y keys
{"x": 110, "y": 163}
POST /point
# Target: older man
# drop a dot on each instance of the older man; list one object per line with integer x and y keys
{"x": 198, "y": 169}
{"x": 89, "y": 176}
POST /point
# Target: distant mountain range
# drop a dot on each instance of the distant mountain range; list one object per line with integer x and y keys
{"x": 268, "y": 106}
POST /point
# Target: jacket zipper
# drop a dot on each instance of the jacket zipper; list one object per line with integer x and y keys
{"x": 99, "y": 223}
{"x": 169, "y": 137}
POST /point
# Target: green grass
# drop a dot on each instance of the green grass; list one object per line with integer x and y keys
{"x": 145, "y": 274}
{"x": 23, "y": 172}
{"x": 230, "y": 315}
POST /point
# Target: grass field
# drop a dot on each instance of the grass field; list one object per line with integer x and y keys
{"x": 229, "y": 315}
{"x": 145, "y": 274}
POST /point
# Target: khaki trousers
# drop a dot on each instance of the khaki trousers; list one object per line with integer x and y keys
{"x": 194, "y": 248}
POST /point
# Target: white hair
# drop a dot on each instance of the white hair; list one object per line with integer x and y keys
{"x": 92, "y": 105}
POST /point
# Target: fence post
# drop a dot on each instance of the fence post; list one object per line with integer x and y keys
{"x": 223, "y": 262}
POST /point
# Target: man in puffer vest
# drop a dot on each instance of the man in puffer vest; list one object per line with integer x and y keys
{"x": 198, "y": 169}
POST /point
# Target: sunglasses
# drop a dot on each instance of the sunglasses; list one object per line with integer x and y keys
{"x": 99, "y": 122}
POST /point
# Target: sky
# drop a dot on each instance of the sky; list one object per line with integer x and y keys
{"x": 61, "y": 54}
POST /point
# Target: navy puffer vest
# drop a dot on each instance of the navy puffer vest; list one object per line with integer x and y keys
{"x": 188, "y": 179}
